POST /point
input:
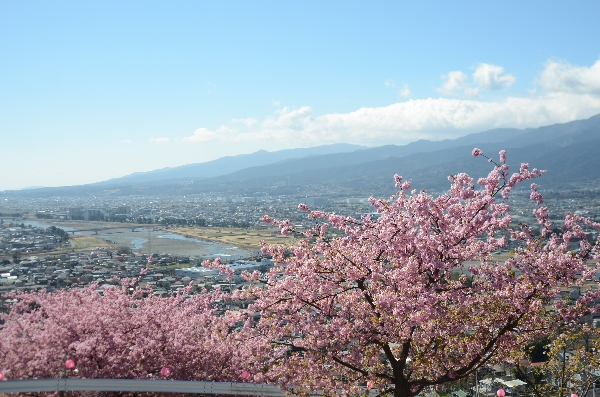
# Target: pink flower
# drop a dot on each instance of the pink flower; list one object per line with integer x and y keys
{"x": 302, "y": 207}
{"x": 165, "y": 371}
{"x": 69, "y": 364}
{"x": 398, "y": 180}
{"x": 503, "y": 156}
{"x": 477, "y": 152}
{"x": 267, "y": 219}
{"x": 535, "y": 196}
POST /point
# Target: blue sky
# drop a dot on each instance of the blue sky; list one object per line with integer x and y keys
{"x": 99, "y": 89}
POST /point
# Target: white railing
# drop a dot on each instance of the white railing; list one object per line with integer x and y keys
{"x": 139, "y": 385}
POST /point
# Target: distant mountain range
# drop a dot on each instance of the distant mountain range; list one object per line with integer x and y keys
{"x": 228, "y": 164}
{"x": 568, "y": 151}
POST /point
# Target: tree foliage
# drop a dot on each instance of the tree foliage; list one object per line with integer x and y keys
{"x": 119, "y": 334}
{"x": 61, "y": 234}
{"x": 415, "y": 298}
{"x": 572, "y": 365}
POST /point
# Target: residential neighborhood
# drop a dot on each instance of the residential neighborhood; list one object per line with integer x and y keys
{"x": 162, "y": 274}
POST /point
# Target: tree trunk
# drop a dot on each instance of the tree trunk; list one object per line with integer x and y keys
{"x": 403, "y": 390}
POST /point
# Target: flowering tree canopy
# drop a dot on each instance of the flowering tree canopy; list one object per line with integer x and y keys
{"x": 118, "y": 335}
{"x": 415, "y": 297}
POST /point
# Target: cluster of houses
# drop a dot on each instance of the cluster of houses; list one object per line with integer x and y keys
{"x": 18, "y": 240}
{"x": 104, "y": 268}
{"x": 200, "y": 209}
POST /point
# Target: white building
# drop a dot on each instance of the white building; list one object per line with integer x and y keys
{"x": 195, "y": 272}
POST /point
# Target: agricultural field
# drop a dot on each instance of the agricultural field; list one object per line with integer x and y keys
{"x": 236, "y": 236}
{"x": 82, "y": 241}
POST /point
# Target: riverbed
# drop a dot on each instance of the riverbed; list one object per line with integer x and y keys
{"x": 148, "y": 239}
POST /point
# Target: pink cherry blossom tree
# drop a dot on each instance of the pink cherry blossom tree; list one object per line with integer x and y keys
{"x": 119, "y": 335}
{"x": 415, "y": 298}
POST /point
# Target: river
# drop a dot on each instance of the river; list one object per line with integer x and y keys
{"x": 146, "y": 239}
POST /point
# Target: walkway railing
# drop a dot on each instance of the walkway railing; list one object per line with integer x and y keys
{"x": 139, "y": 385}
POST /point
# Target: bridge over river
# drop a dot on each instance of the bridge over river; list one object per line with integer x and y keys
{"x": 103, "y": 228}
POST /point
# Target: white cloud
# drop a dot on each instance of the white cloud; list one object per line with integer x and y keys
{"x": 491, "y": 77}
{"x": 453, "y": 82}
{"x": 160, "y": 140}
{"x": 248, "y": 122}
{"x": 404, "y": 91}
{"x": 431, "y": 118}
{"x": 564, "y": 77}
{"x": 205, "y": 135}
{"x": 486, "y": 77}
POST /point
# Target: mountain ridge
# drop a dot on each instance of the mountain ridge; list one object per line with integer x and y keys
{"x": 228, "y": 164}
{"x": 566, "y": 149}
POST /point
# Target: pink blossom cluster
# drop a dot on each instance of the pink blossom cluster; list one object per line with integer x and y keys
{"x": 416, "y": 298}
{"x": 119, "y": 335}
